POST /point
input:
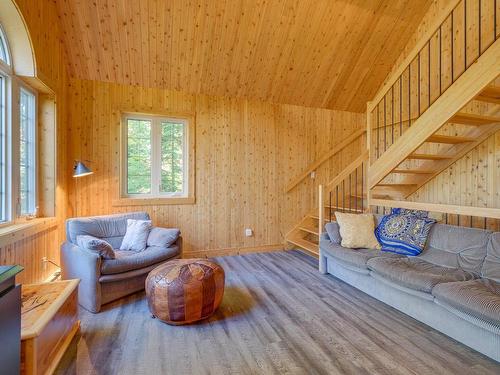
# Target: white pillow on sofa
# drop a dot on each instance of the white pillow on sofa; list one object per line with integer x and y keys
{"x": 136, "y": 237}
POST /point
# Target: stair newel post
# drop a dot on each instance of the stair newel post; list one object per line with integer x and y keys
{"x": 321, "y": 207}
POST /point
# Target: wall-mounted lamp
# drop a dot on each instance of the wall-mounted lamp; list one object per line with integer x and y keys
{"x": 80, "y": 170}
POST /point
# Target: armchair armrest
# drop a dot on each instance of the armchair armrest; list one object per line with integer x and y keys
{"x": 78, "y": 263}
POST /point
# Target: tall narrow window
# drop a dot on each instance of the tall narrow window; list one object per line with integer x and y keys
{"x": 138, "y": 156}
{"x": 4, "y": 55}
{"x": 172, "y": 157}
{"x": 156, "y": 157}
{"x": 27, "y": 150}
{"x": 3, "y": 164}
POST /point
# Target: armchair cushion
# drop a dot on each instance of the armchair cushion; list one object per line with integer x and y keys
{"x": 129, "y": 260}
{"x": 111, "y": 228}
{"x": 101, "y": 247}
{"x": 163, "y": 237}
{"x": 136, "y": 237}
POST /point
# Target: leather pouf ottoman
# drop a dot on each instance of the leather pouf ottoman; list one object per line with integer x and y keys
{"x": 183, "y": 291}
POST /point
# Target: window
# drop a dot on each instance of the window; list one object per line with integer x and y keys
{"x": 18, "y": 142}
{"x": 4, "y": 51}
{"x": 3, "y": 164}
{"x": 156, "y": 157}
{"x": 27, "y": 149}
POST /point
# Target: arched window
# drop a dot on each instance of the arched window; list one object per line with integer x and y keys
{"x": 18, "y": 141}
{"x": 4, "y": 49}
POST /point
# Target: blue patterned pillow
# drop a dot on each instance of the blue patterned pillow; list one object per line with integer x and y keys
{"x": 405, "y": 211}
{"x": 403, "y": 233}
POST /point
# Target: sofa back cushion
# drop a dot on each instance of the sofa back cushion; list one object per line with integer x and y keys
{"x": 332, "y": 228}
{"x": 110, "y": 228}
{"x": 491, "y": 264}
{"x": 457, "y": 247}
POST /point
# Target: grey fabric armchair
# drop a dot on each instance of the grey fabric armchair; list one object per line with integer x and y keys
{"x": 105, "y": 280}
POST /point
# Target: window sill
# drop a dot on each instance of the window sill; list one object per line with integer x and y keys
{"x": 15, "y": 232}
{"x": 153, "y": 201}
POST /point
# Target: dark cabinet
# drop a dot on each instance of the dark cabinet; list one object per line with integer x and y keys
{"x": 10, "y": 320}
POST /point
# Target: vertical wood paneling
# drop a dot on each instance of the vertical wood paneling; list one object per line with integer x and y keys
{"x": 42, "y": 20}
{"x": 246, "y": 153}
{"x": 321, "y": 53}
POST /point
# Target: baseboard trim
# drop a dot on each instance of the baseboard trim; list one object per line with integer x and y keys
{"x": 233, "y": 251}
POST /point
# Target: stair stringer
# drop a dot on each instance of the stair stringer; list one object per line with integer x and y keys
{"x": 470, "y": 84}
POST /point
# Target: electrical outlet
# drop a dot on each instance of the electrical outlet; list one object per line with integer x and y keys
{"x": 248, "y": 232}
{"x": 313, "y": 175}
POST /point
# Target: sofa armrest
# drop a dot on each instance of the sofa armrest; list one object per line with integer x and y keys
{"x": 79, "y": 263}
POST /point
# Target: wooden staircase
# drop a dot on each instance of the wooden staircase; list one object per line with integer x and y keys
{"x": 345, "y": 193}
{"x": 423, "y": 163}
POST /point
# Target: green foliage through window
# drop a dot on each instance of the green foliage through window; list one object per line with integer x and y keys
{"x": 172, "y": 146}
{"x": 155, "y": 156}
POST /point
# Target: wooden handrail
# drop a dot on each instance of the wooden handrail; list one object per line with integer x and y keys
{"x": 347, "y": 171}
{"x": 443, "y": 208}
{"x": 466, "y": 88}
{"x": 312, "y": 167}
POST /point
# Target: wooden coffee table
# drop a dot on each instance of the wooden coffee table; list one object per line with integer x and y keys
{"x": 49, "y": 321}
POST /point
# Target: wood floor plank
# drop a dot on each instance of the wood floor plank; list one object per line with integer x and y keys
{"x": 279, "y": 315}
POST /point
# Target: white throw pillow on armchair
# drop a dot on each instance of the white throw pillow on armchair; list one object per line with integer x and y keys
{"x": 136, "y": 237}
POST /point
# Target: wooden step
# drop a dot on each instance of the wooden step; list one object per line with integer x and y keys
{"x": 490, "y": 94}
{"x": 413, "y": 171}
{"x": 316, "y": 217}
{"x": 429, "y": 156}
{"x": 472, "y": 119}
{"x": 309, "y": 229}
{"x": 310, "y": 247}
{"x": 448, "y": 139}
{"x": 396, "y": 185}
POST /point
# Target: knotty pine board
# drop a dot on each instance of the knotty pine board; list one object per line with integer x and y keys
{"x": 246, "y": 153}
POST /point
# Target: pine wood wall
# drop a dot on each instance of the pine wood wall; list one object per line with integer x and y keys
{"x": 246, "y": 152}
{"x": 42, "y": 21}
{"x": 474, "y": 180}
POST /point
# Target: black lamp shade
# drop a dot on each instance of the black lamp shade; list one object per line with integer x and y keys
{"x": 81, "y": 170}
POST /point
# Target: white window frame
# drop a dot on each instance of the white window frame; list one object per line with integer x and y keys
{"x": 156, "y": 121}
{"x": 8, "y": 112}
{"x": 11, "y": 148}
{"x": 34, "y": 152}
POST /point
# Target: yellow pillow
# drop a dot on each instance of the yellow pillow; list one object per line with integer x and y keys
{"x": 357, "y": 230}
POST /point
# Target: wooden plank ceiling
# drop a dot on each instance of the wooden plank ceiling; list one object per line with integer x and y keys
{"x": 321, "y": 53}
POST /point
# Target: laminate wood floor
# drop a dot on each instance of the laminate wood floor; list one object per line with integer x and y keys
{"x": 278, "y": 316}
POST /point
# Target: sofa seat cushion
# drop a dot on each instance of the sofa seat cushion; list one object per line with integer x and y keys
{"x": 354, "y": 257}
{"x": 479, "y": 298}
{"x": 128, "y": 260}
{"x": 415, "y": 273}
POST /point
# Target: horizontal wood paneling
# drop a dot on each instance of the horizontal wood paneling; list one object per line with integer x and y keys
{"x": 246, "y": 152}
{"x": 320, "y": 53}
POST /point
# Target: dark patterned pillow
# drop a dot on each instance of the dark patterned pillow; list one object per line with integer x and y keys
{"x": 403, "y": 233}
{"x": 405, "y": 211}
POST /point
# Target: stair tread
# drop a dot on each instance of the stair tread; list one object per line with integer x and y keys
{"x": 414, "y": 171}
{"x": 448, "y": 139}
{"x": 397, "y": 184}
{"x": 309, "y": 229}
{"x": 490, "y": 94}
{"x": 473, "y": 119}
{"x": 314, "y": 216}
{"x": 305, "y": 244}
{"x": 429, "y": 156}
